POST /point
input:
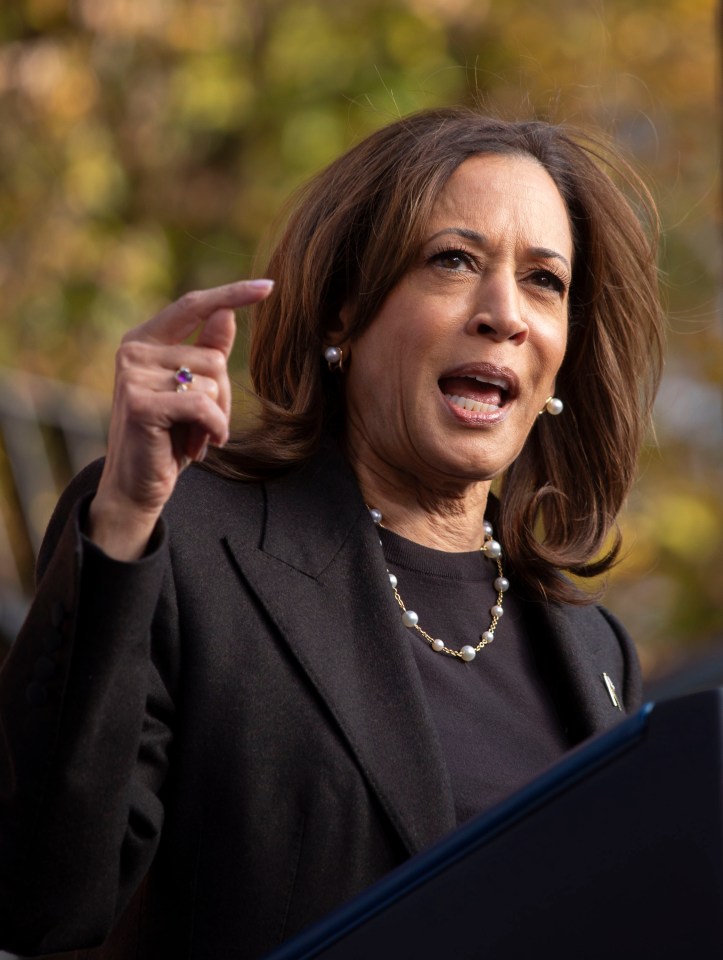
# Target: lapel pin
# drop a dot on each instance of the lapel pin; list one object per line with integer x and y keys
{"x": 612, "y": 691}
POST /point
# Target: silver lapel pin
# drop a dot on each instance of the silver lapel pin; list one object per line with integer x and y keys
{"x": 612, "y": 691}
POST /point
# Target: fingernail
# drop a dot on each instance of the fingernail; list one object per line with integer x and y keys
{"x": 264, "y": 285}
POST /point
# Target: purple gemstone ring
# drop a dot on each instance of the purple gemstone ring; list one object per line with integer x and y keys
{"x": 183, "y": 379}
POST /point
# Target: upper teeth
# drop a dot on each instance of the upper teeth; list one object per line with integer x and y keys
{"x": 475, "y": 406}
{"x": 493, "y": 380}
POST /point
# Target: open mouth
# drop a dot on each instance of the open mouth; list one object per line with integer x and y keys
{"x": 477, "y": 393}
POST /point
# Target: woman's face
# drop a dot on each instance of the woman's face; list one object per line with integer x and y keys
{"x": 446, "y": 382}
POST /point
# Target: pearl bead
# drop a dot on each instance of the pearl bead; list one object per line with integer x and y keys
{"x": 332, "y": 355}
{"x": 410, "y": 618}
{"x": 492, "y": 549}
{"x": 554, "y": 406}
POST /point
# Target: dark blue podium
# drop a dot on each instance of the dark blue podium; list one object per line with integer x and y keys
{"x": 615, "y": 852}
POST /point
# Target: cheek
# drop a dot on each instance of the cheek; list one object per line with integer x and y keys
{"x": 381, "y": 358}
{"x": 369, "y": 379}
{"x": 553, "y": 348}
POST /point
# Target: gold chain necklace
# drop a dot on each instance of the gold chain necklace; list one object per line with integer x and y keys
{"x": 493, "y": 551}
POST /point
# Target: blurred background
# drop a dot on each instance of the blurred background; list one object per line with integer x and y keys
{"x": 146, "y": 146}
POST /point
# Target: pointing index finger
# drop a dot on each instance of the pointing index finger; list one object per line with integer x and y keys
{"x": 179, "y": 319}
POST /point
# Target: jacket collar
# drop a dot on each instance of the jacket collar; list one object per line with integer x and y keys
{"x": 320, "y": 572}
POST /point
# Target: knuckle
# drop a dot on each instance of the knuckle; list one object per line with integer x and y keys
{"x": 208, "y": 405}
{"x": 130, "y": 335}
{"x": 189, "y": 302}
{"x": 129, "y": 354}
{"x": 216, "y": 363}
{"x": 192, "y": 403}
{"x": 214, "y": 389}
{"x": 205, "y": 409}
{"x": 136, "y": 403}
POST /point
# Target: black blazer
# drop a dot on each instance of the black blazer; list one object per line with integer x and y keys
{"x": 223, "y": 741}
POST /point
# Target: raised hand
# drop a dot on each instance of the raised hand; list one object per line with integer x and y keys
{"x": 157, "y": 426}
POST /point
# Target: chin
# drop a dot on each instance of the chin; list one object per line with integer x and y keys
{"x": 462, "y": 468}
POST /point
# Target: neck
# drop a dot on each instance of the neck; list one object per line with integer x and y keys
{"x": 447, "y": 518}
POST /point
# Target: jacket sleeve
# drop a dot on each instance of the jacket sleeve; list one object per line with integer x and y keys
{"x": 85, "y": 720}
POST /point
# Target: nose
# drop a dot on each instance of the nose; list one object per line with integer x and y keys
{"x": 496, "y": 311}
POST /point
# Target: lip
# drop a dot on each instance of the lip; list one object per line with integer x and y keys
{"x": 472, "y": 417}
{"x": 489, "y": 372}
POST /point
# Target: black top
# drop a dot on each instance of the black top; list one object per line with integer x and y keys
{"x": 497, "y": 716}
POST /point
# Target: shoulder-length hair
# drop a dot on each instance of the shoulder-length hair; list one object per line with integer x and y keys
{"x": 357, "y": 228}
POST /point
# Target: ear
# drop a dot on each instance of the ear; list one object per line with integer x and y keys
{"x": 338, "y": 330}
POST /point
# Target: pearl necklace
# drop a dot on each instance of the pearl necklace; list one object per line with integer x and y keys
{"x": 493, "y": 551}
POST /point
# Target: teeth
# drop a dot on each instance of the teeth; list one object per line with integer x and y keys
{"x": 496, "y": 383}
{"x": 474, "y": 406}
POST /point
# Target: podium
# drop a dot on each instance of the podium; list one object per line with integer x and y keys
{"x": 614, "y": 852}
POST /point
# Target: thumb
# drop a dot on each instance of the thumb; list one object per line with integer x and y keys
{"x": 219, "y": 331}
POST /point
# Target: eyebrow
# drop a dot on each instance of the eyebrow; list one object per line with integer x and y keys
{"x": 481, "y": 240}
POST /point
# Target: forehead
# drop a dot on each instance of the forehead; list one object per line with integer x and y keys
{"x": 512, "y": 194}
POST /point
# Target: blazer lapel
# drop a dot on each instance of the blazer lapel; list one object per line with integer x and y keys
{"x": 319, "y": 571}
{"x": 582, "y": 665}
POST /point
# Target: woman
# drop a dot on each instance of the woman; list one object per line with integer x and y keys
{"x": 218, "y": 725}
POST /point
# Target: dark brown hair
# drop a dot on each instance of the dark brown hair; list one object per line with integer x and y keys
{"x": 560, "y": 498}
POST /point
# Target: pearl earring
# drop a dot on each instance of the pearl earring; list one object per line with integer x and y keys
{"x": 334, "y": 356}
{"x": 553, "y": 406}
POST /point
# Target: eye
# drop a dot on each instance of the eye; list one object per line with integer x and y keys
{"x": 453, "y": 259}
{"x": 549, "y": 281}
